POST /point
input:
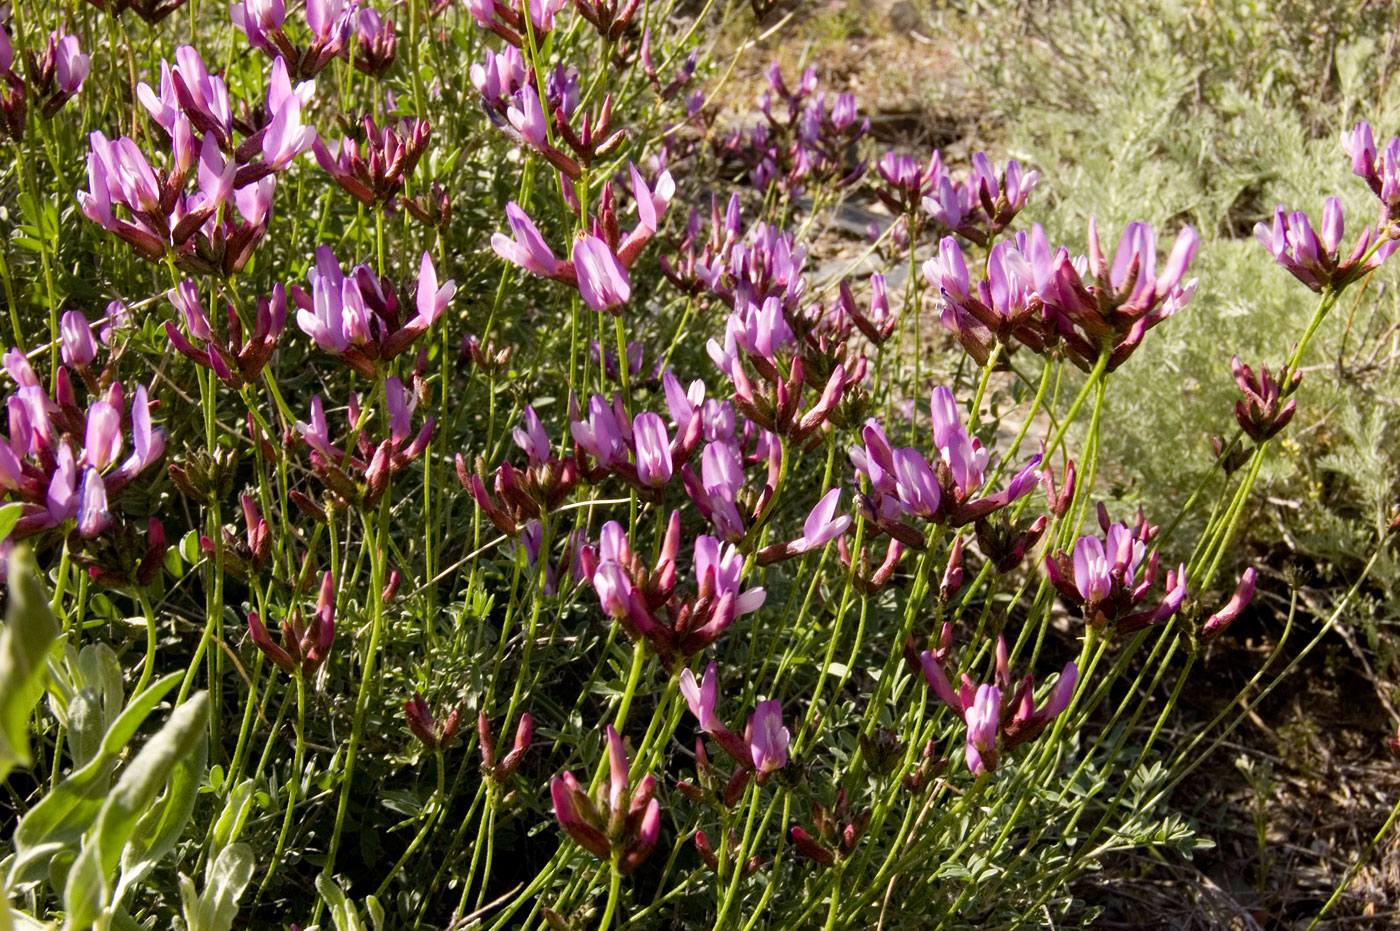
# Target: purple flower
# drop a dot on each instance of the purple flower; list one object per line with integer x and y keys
{"x": 982, "y": 718}
{"x": 701, "y": 696}
{"x": 653, "y": 448}
{"x": 717, "y": 572}
{"x": 532, "y": 438}
{"x": 72, "y": 65}
{"x": 103, "y": 441}
{"x": 631, "y": 823}
{"x": 823, "y": 524}
{"x": 1216, "y": 624}
{"x": 1381, "y": 174}
{"x": 430, "y": 299}
{"x": 602, "y": 281}
{"x": 79, "y": 347}
{"x": 286, "y": 137}
{"x": 1101, "y": 578}
{"x": 915, "y": 483}
{"x": 601, "y": 435}
{"x": 528, "y": 118}
{"x": 93, "y": 516}
{"x": 528, "y": 248}
{"x": 768, "y": 739}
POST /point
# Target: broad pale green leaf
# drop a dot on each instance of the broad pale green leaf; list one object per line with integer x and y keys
{"x": 343, "y": 911}
{"x": 144, "y": 776}
{"x": 235, "y": 814}
{"x": 30, "y": 630}
{"x": 9, "y": 516}
{"x": 229, "y": 875}
{"x": 63, "y": 815}
{"x": 160, "y": 828}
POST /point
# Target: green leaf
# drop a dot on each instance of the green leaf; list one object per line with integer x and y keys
{"x": 144, "y": 776}
{"x": 235, "y": 814}
{"x": 30, "y": 630}
{"x": 87, "y": 893}
{"x": 9, "y": 516}
{"x": 160, "y": 828}
{"x": 343, "y": 912}
{"x": 229, "y": 875}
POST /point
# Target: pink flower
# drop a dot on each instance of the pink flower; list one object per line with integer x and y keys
{"x": 602, "y": 281}
{"x": 653, "y": 448}
{"x": 528, "y": 248}
{"x": 768, "y": 739}
{"x": 982, "y": 717}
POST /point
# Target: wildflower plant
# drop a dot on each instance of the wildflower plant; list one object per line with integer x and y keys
{"x": 665, "y": 458}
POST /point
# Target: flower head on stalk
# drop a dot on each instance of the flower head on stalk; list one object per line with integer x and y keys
{"x": 214, "y": 229}
{"x": 608, "y": 435}
{"x": 433, "y": 734}
{"x": 984, "y": 205}
{"x": 998, "y": 716}
{"x": 601, "y": 257}
{"x": 904, "y": 483}
{"x": 58, "y": 74}
{"x": 305, "y": 645}
{"x": 1261, "y": 413}
{"x": 331, "y": 22}
{"x": 374, "y": 54}
{"x": 1096, "y": 308}
{"x": 1004, "y": 308}
{"x": 1316, "y": 260}
{"x": 635, "y": 595}
{"x": 1106, "y": 582}
{"x": 804, "y": 139}
{"x": 501, "y": 769}
{"x": 508, "y": 19}
{"x": 525, "y": 495}
{"x": 701, "y": 697}
{"x": 1380, "y": 169}
{"x": 247, "y": 557}
{"x": 358, "y": 317}
{"x": 62, "y": 463}
{"x": 375, "y": 174}
{"x": 235, "y": 362}
{"x": 838, "y": 832}
{"x": 616, "y": 825}
{"x": 359, "y": 477}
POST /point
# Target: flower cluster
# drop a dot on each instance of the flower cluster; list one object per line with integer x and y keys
{"x": 234, "y": 361}
{"x": 1042, "y": 298}
{"x": 357, "y": 318}
{"x": 331, "y": 23}
{"x": 803, "y": 139}
{"x": 634, "y": 594}
{"x": 614, "y": 826}
{"x": 1261, "y": 412}
{"x": 375, "y": 175}
{"x": 55, "y": 77}
{"x": 602, "y": 256}
{"x": 1105, "y": 581}
{"x": 761, "y": 752}
{"x": 64, "y": 463}
{"x": 998, "y": 717}
{"x": 305, "y": 645}
{"x": 903, "y": 483}
{"x": 525, "y": 495}
{"x": 197, "y": 230}
{"x": 361, "y": 480}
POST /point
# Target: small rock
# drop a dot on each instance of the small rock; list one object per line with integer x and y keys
{"x": 904, "y": 18}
